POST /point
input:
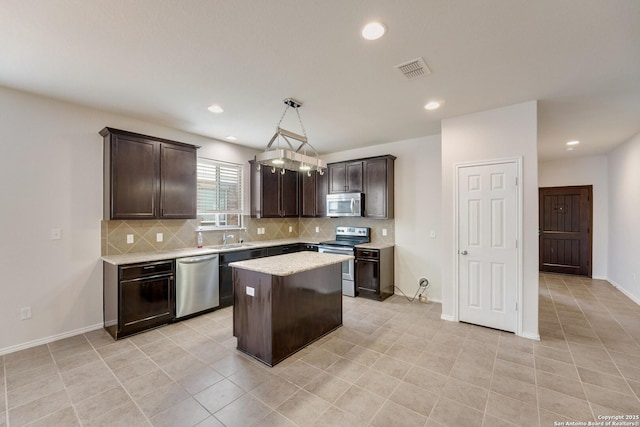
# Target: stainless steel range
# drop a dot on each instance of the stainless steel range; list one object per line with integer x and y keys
{"x": 346, "y": 240}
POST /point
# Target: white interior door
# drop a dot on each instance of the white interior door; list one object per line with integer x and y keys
{"x": 487, "y": 245}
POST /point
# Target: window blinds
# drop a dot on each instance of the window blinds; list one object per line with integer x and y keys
{"x": 219, "y": 191}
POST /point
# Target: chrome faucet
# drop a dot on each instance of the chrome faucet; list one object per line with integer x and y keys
{"x": 225, "y": 237}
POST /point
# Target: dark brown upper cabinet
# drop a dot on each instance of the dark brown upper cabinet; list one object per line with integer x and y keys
{"x": 378, "y": 187}
{"x": 313, "y": 193}
{"x": 147, "y": 177}
{"x": 273, "y": 194}
{"x": 345, "y": 177}
{"x": 372, "y": 176}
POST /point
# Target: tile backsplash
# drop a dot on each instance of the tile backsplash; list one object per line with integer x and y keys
{"x": 327, "y": 228}
{"x": 178, "y": 234}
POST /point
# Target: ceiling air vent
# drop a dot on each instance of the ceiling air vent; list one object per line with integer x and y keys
{"x": 414, "y": 68}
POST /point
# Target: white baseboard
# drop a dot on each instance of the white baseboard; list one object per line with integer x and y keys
{"x": 624, "y": 291}
{"x": 535, "y": 337}
{"x": 46, "y": 340}
{"x": 447, "y": 317}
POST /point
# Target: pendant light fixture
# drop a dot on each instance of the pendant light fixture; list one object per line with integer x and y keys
{"x": 290, "y": 158}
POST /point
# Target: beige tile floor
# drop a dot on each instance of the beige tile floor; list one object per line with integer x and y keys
{"x": 393, "y": 363}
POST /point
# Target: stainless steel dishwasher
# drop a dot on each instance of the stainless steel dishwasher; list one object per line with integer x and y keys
{"x": 197, "y": 287}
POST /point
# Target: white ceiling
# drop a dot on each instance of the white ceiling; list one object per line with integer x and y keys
{"x": 166, "y": 61}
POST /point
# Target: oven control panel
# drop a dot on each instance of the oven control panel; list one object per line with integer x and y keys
{"x": 353, "y": 231}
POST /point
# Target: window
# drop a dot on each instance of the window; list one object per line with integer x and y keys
{"x": 219, "y": 194}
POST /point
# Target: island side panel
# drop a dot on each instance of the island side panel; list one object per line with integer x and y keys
{"x": 306, "y": 306}
{"x": 252, "y": 314}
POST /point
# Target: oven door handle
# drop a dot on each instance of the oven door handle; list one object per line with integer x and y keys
{"x": 336, "y": 251}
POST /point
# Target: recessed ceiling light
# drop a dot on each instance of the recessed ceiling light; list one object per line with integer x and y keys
{"x": 231, "y": 138}
{"x": 373, "y": 30}
{"x": 215, "y": 109}
{"x": 573, "y": 142}
{"x": 433, "y": 105}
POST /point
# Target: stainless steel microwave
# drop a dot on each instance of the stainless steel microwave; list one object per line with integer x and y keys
{"x": 345, "y": 204}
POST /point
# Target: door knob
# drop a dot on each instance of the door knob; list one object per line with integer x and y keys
{"x": 464, "y": 253}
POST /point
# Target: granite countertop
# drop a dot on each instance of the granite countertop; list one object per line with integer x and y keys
{"x": 375, "y": 245}
{"x": 288, "y": 264}
{"x": 187, "y": 252}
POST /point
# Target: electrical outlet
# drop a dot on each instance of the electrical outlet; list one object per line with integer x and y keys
{"x": 25, "y": 313}
{"x": 56, "y": 234}
{"x": 290, "y": 229}
{"x": 384, "y": 231}
{"x": 432, "y": 234}
{"x": 129, "y": 238}
{"x": 317, "y": 229}
{"x": 159, "y": 237}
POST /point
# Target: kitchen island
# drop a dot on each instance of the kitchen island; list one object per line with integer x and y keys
{"x": 283, "y": 303}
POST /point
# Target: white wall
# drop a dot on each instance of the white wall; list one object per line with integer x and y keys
{"x": 51, "y": 177}
{"x": 624, "y": 218}
{"x": 584, "y": 171}
{"x": 495, "y": 134}
{"x": 417, "y": 209}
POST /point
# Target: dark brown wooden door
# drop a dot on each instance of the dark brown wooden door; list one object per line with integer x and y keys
{"x": 322, "y": 188}
{"x": 354, "y": 177}
{"x": 566, "y": 229}
{"x": 270, "y": 193}
{"x": 337, "y": 178}
{"x": 313, "y": 194}
{"x": 375, "y": 188}
{"x": 135, "y": 178}
{"x": 308, "y": 194}
{"x": 178, "y": 167}
{"x": 289, "y": 194}
{"x": 345, "y": 177}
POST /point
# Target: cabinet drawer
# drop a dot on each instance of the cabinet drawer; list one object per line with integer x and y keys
{"x": 367, "y": 253}
{"x": 141, "y": 270}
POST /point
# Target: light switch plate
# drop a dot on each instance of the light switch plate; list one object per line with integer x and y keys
{"x": 129, "y": 238}
{"x": 384, "y": 231}
{"x": 159, "y": 237}
{"x": 432, "y": 234}
{"x": 251, "y": 291}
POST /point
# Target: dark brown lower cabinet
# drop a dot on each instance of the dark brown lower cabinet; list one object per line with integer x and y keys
{"x": 138, "y": 297}
{"x": 275, "y": 316}
{"x": 374, "y": 273}
{"x": 226, "y": 276}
